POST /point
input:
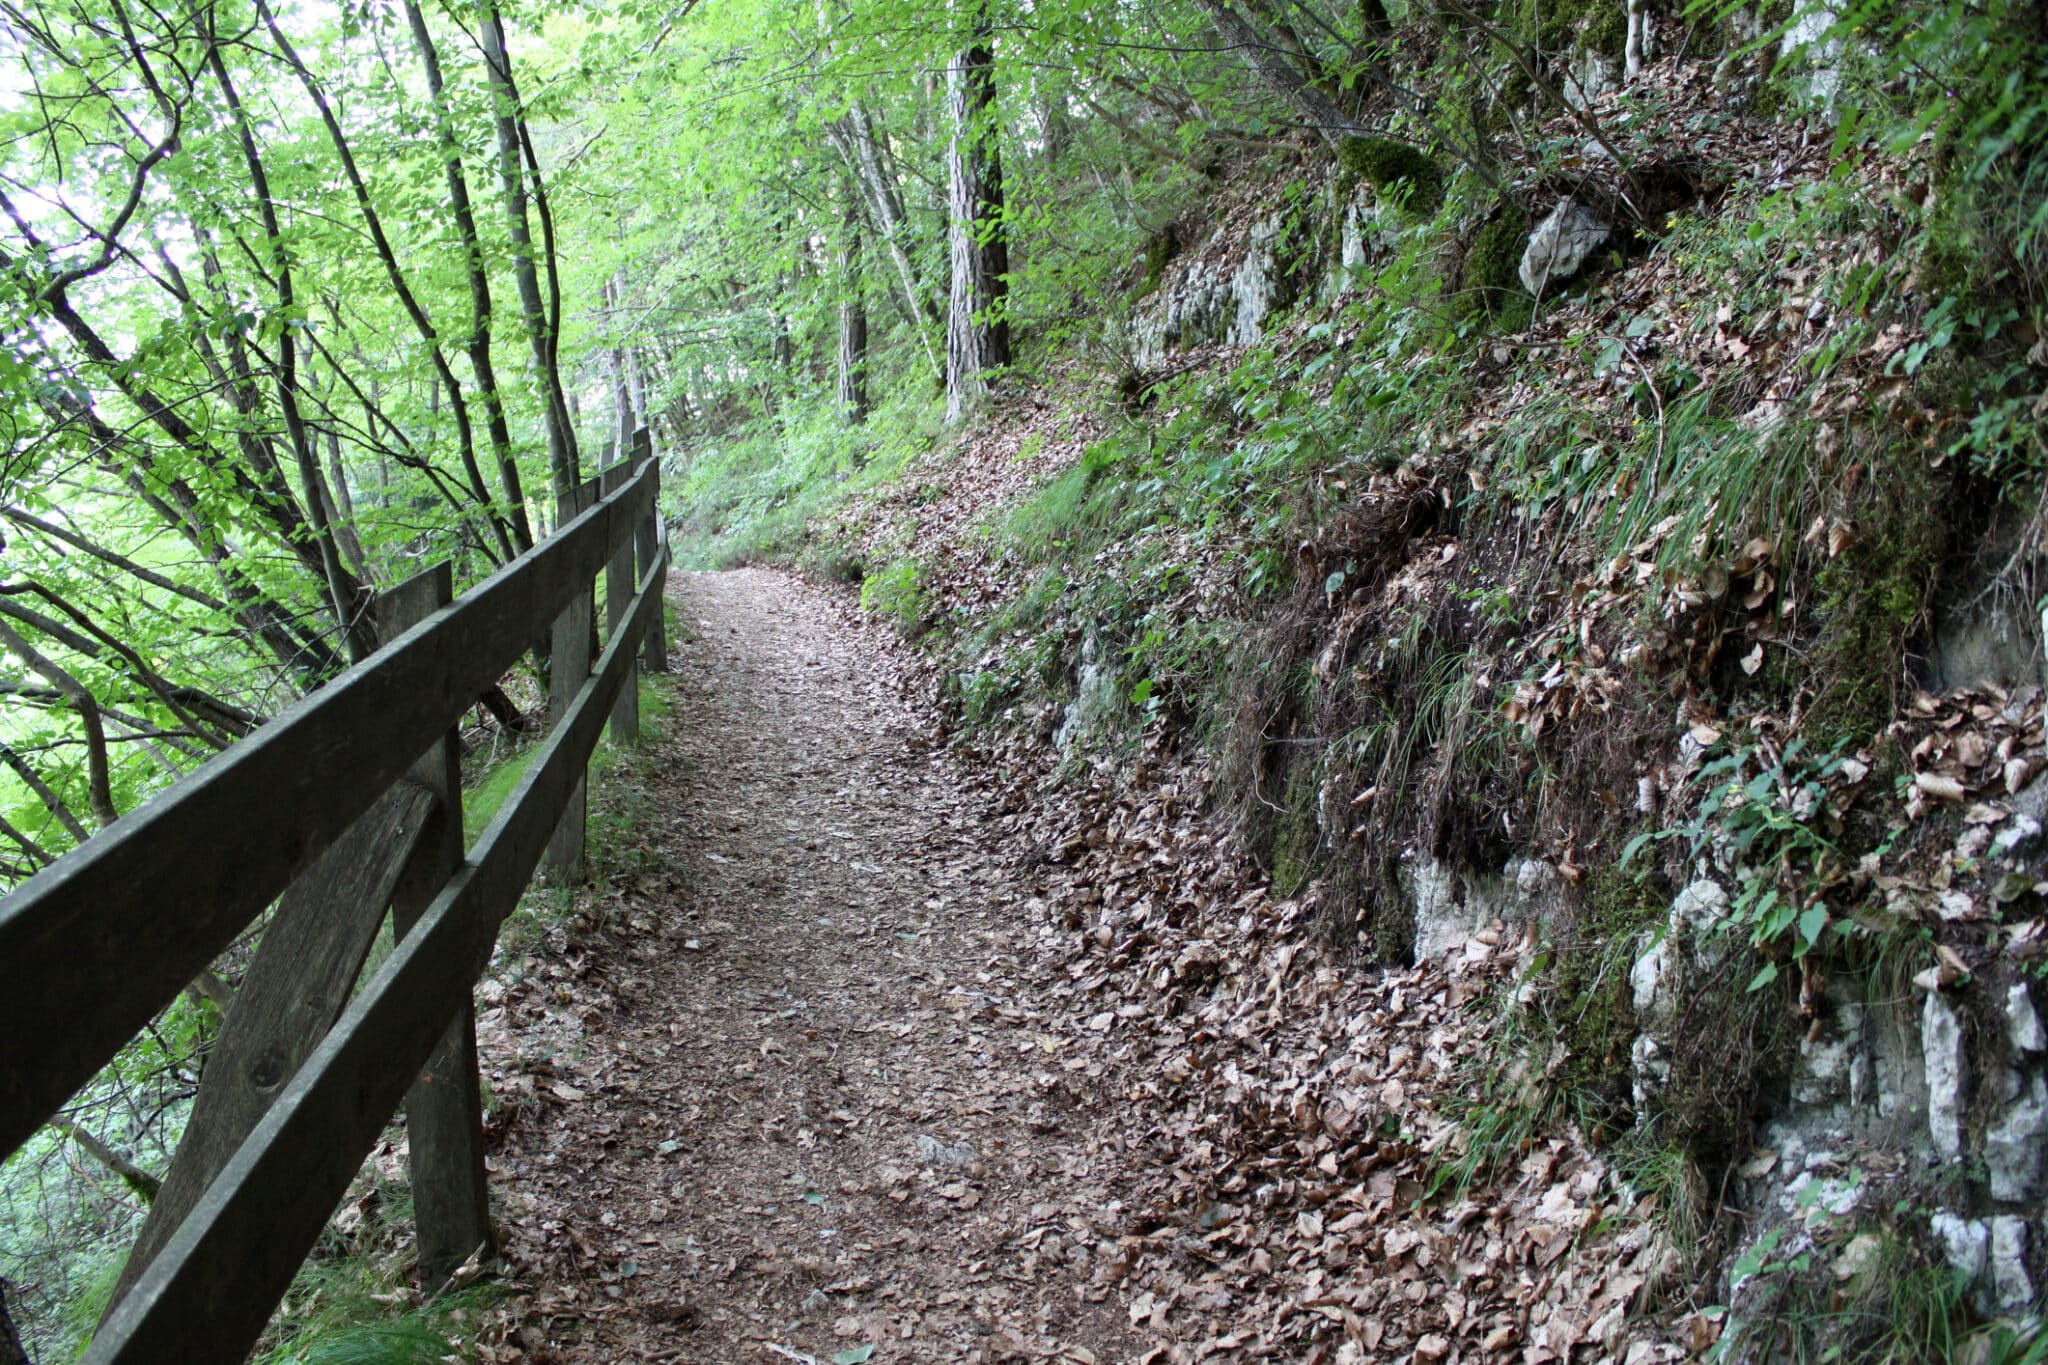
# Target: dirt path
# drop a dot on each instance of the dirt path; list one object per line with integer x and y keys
{"x": 794, "y": 1106}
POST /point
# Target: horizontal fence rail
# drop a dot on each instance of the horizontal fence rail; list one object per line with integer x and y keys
{"x": 345, "y": 805}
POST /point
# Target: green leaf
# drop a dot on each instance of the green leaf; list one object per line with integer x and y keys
{"x": 1635, "y": 846}
{"x": 1764, "y": 977}
{"x": 1811, "y": 923}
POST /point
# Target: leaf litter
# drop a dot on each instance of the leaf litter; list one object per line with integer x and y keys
{"x": 964, "y": 1063}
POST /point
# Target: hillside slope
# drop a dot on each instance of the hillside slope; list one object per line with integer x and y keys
{"x": 1531, "y": 700}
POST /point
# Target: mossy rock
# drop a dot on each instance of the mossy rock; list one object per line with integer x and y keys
{"x": 1385, "y": 164}
{"x": 1489, "y": 276}
{"x": 1160, "y": 249}
{"x": 1604, "y": 28}
{"x": 1297, "y": 839}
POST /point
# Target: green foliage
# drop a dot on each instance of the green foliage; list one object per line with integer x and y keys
{"x": 756, "y": 491}
{"x": 398, "y": 1343}
{"x": 1395, "y": 168}
{"x": 1904, "y": 1305}
{"x": 1772, "y": 817}
{"x": 1489, "y": 277}
{"x": 896, "y": 592}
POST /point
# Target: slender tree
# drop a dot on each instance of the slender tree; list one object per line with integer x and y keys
{"x": 478, "y": 343}
{"x": 542, "y": 323}
{"x": 852, "y": 350}
{"x": 977, "y": 323}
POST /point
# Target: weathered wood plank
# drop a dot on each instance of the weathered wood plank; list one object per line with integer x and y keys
{"x": 444, "y": 1116}
{"x": 208, "y": 1295}
{"x": 568, "y": 666}
{"x": 648, "y": 543}
{"x": 311, "y": 953}
{"x": 619, "y": 587}
{"x": 89, "y": 941}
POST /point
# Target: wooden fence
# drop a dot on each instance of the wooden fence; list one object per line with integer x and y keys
{"x": 346, "y": 805}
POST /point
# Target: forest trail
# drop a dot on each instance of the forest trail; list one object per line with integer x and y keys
{"x": 793, "y": 1108}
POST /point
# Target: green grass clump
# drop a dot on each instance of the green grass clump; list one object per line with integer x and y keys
{"x": 896, "y": 592}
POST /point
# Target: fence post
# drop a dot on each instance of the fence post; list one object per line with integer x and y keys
{"x": 569, "y": 665}
{"x": 618, "y": 595}
{"x": 444, "y": 1108}
{"x": 647, "y": 544}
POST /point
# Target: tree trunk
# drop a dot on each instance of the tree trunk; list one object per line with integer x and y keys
{"x": 636, "y": 387}
{"x": 853, "y": 312}
{"x": 1270, "y": 64}
{"x": 562, "y": 457}
{"x": 11, "y": 1351}
{"x": 977, "y": 330}
{"x": 866, "y": 154}
{"x": 479, "y": 341}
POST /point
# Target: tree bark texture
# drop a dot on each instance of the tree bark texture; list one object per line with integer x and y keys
{"x": 1269, "y": 63}
{"x": 977, "y": 330}
{"x": 562, "y": 455}
{"x": 853, "y": 313}
{"x": 11, "y": 1352}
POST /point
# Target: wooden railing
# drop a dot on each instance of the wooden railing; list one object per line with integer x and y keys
{"x": 345, "y": 806}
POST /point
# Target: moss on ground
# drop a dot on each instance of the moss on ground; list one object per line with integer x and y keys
{"x": 1160, "y": 249}
{"x": 1489, "y": 276}
{"x": 1870, "y": 600}
{"x": 1387, "y": 164}
{"x": 1297, "y": 834}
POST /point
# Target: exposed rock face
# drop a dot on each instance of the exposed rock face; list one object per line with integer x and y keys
{"x": 1965, "y": 1241}
{"x": 1687, "y": 940}
{"x": 1979, "y": 641}
{"x": 1451, "y": 907}
{"x": 2023, "y": 1025}
{"x": 2012, "y": 1146}
{"x": 1806, "y": 39}
{"x": 1560, "y": 244}
{"x": 1941, "y": 1046}
{"x": 2011, "y": 1286}
{"x": 1209, "y": 295}
{"x": 1590, "y": 76}
{"x": 1095, "y": 697}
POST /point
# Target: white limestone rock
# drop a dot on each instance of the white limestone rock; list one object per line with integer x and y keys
{"x": 2023, "y": 1025}
{"x": 1095, "y": 697}
{"x": 1590, "y": 76}
{"x": 1561, "y": 243}
{"x": 1807, "y": 44}
{"x": 1650, "y": 979}
{"x": 1966, "y": 1242}
{"x": 1255, "y": 285}
{"x": 2011, "y": 1286}
{"x": 1941, "y": 1048}
{"x": 2012, "y": 1146}
{"x": 1652, "y": 1070}
{"x": 1832, "y": 1069}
